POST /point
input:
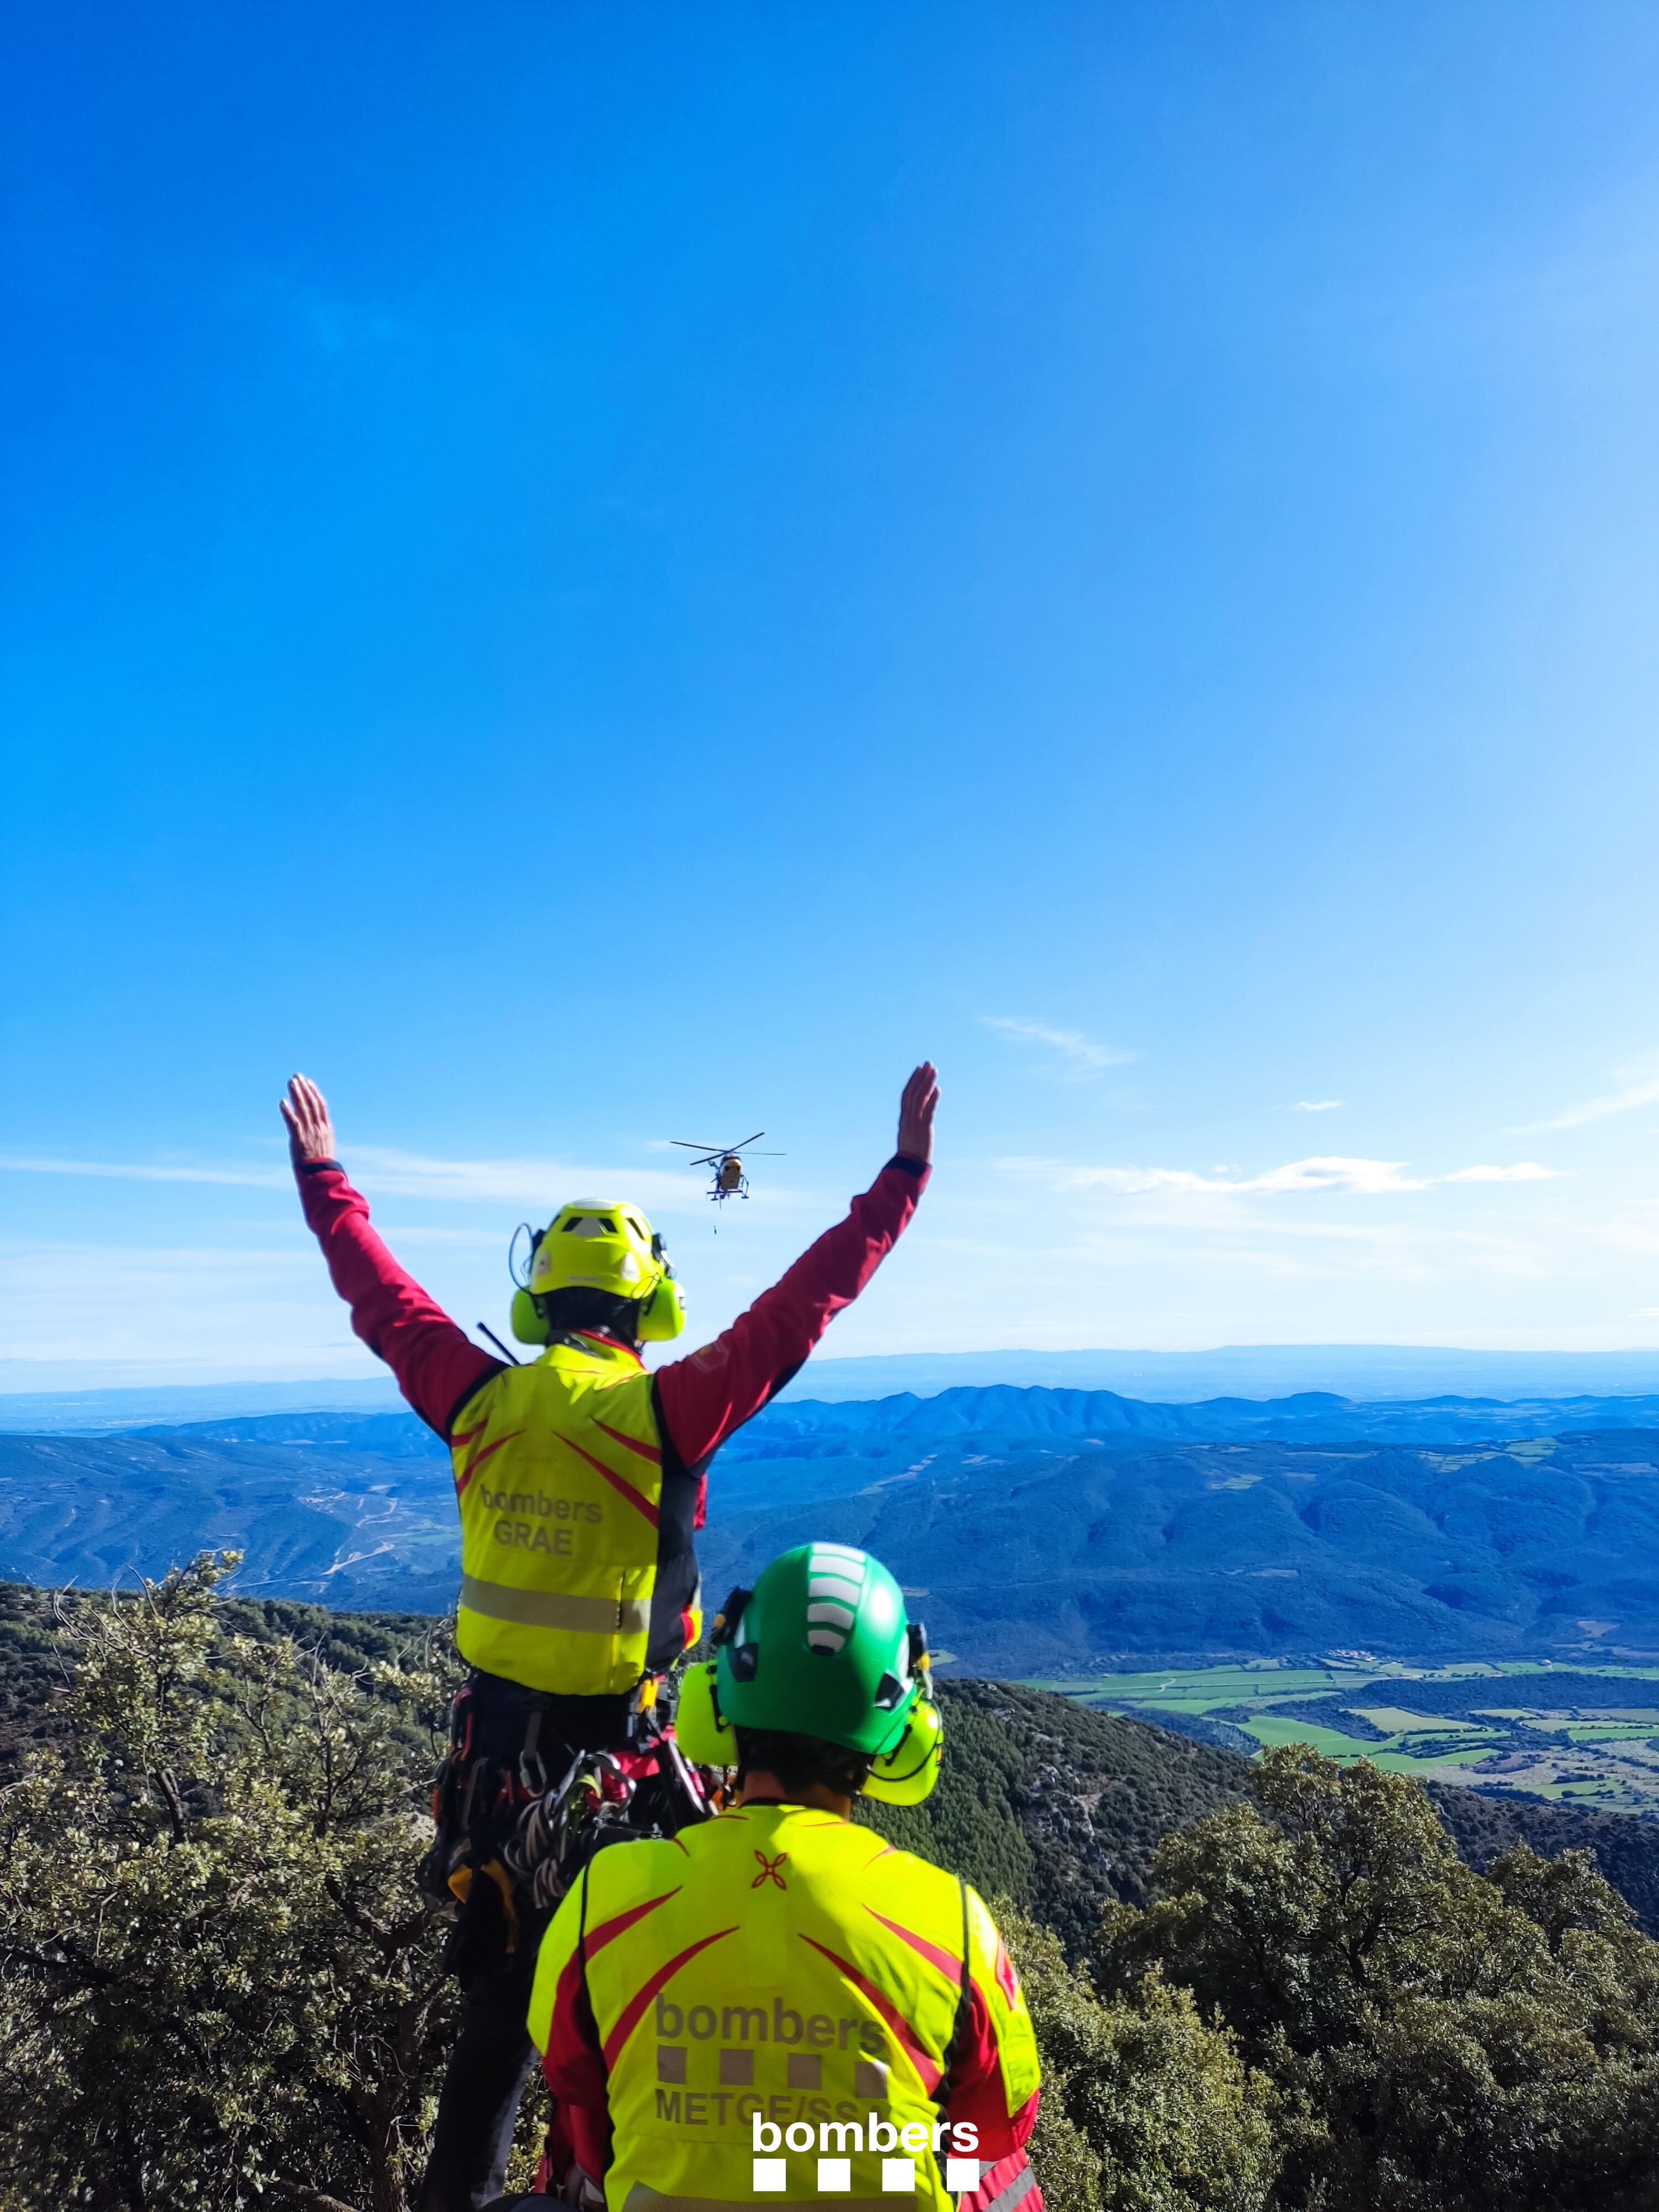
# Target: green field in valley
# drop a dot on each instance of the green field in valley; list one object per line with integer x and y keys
{"x": 1585, "y": 1735}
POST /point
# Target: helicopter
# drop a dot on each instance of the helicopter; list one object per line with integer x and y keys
{"x": 727, "y": 1160}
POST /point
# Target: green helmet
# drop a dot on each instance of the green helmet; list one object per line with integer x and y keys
{"x": 820, "y": 1647}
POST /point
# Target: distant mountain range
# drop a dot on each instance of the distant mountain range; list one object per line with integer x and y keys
{"x": 1094, "y": 1415}
{"x": 1365, "y": 1372}
{"x": 35, "y": 1397}
{"x": 1060, "y": 1555}
{"x": 1051, "y": 1532}
{"x": 45, "y": 1412}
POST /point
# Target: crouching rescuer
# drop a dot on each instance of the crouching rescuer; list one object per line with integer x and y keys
{"x": 776, "y": 2004}
{"x": 580, "y": 1479}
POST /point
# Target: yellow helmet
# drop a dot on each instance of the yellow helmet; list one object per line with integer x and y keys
{"x": 597, "y": 1244}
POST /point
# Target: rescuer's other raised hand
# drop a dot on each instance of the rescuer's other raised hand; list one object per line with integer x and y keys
{"x": 310, "y": 1132}
{"x": 917, "y": 1109}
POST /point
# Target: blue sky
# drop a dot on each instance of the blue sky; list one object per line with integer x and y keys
{"x": 608, "y": 572}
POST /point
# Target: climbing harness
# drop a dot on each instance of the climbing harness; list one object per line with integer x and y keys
{"x": 530, "y": 1834}
{"x": 604, "y": 1798}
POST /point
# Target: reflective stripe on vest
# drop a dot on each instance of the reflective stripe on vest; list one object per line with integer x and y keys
{"x": 558, "y": 1477}
{"x": 588, "y": 1616}
{"x": 782, "y": 1967}
{"x": 641, "y": 2198}
{"x": 1014, "y": 2191}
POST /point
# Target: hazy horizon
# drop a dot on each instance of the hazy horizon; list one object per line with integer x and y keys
{"x": 1366, "y": 1373}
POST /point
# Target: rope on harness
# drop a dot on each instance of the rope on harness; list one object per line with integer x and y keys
{"x": 554, "y": 1830}
{"x": 500, "y": 1814}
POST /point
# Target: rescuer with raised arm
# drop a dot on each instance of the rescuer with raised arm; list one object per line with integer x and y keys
{"x": 581, "y": 1478}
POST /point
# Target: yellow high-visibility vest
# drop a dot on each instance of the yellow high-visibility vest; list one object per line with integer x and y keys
{"x": 558, "y": 1475}
{"x": 778, "y": 1984}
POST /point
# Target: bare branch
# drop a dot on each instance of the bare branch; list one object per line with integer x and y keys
{"x": 302, "y": 2193}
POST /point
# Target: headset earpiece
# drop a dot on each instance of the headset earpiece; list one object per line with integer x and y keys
{"x": 700, "y": 1730}
{"x": 906, "y": 1774}
{"x": 662, "y": 1315}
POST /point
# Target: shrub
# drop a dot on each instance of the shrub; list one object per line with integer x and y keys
{"x": 218, "y": 1980}
{"x": 1438, "y": 2038}
{"x": 1146, "y": 2108}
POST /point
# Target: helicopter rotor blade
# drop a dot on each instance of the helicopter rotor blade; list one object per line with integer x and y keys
{"x": 747, "y": 1141}
{"x": 712, "y": 1151}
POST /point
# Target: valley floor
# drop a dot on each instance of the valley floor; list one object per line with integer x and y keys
{"x": 1585, "y": 1737}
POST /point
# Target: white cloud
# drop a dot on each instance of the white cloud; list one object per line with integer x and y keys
{"x": 384, "y": 1172}
{"x": 1073, "y": 1048}
{"x": 1364, "y": 1178}
{"x": 124, "y": 1171}
{"x": 518, "y": 1182}
{"x": 1643, "y": 1093}
{"x": 1367, "y": 1178}
{"x": 184, "y": 1309}
{"x": 1315, "y": 1105}
{"x": 1205, "y": 1249}
{"x": 1629, "y": 1236}
{"x": 397, "y": 1234}
{"x": 1522, "y": 1171}
{"x": 1356, "y": 1178}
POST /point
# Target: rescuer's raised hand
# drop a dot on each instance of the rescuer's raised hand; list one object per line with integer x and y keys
{"x": 917, "y": 1109}
{"x": 310, "y": 1132}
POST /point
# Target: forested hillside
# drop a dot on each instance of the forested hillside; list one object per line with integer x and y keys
{"x": 1044, "y": 1799}
{"x": 1044, "y": 1547}
{"x": 1268, "y": 1989}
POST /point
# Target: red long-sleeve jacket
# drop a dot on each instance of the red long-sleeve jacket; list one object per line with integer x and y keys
{"x": 699, "y": 1400}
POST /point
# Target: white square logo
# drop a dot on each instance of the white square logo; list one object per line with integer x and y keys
{"x": 834, "y": 2175}
{"x": 961, "y": 2175}
{"x": 898, "y": 2176}
{"x": 771, "y": 2173}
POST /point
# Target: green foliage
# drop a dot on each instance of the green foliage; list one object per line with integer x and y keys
{"x": 1437, "y": 2038}
{"x": 1145, "y": 2108}
{"x": 218, "y": 1984}
{"x": 1053, "y": 1805}
{"x": 218, "y": 1981}
{"x": 1626, "y": 1850}
{"x": 29, "y": 1669}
